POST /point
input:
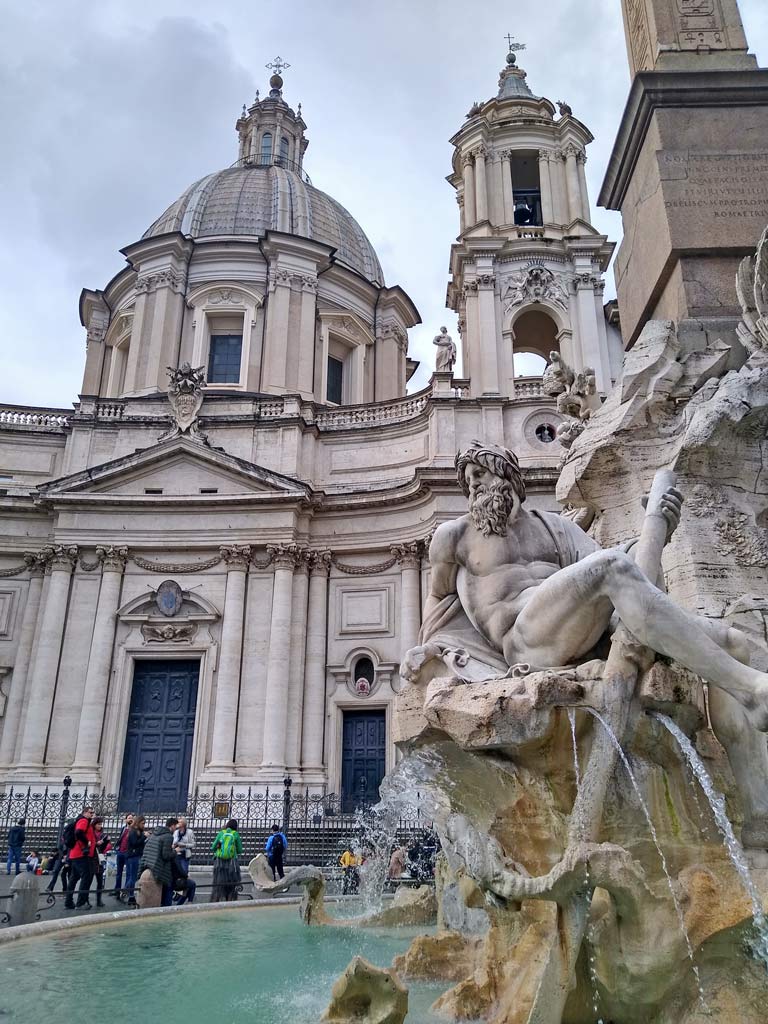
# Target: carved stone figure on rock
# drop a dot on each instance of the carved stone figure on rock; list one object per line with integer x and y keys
{"x": 514, "y": 591}
{"x": 446, "y": 351}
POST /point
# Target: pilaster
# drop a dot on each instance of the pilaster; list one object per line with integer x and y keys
{"x": 313, "y": 716}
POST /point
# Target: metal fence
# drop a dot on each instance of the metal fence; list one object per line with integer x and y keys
{"x": 317, "y": 831}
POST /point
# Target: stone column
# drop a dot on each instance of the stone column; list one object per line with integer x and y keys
{"x": 581, "y": 159}
{"x": 559, "y": 191}
{"x": 481, "y": 184}
{"x": 61, "y": 562}
{"x": 486, "y": 310}
{"x": 313, "y": 719}
{"x": 545, "y": 185}
{"x": 273, "y": 764}
{"x": 589, "y": 338}
{"x": 276, "y": 337}
{"x": 409, "y": 559}
{"x": 470, "y": 214}
{"x": 462, "y": 220}
{"x": 297, "y": 661}
{"x": 236, "y": 557}
{"x": 113, "y": 561}
{"x": 496, "y": 198}
{"x": 306, "y": 354}
{"x": 507, "y": 187}
{"x": 23, "y": 655}
{"x": 572, "y": 182}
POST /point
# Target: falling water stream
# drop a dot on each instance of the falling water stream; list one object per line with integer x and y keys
{"x": 589, "y": 888}
{"x": 732, "y": 845}
{"x": 662, "y": 858}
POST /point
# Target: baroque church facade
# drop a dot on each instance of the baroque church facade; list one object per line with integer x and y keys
{"x": 208, "y": 577}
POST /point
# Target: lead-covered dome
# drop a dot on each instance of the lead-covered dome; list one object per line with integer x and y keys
{"x": 251, "y": 200}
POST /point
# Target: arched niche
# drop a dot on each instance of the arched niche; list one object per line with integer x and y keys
{"x": 534, "y": 332}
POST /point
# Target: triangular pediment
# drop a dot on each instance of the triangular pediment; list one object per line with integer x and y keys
{"x": 180, "y": 468}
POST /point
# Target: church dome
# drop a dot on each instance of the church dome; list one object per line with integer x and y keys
{"x": 253, "y": 199}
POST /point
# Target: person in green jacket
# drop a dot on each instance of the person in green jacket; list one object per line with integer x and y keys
{"x": 227, "y": 847}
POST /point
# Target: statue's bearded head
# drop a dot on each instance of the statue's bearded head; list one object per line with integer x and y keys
{"x": 490, "y": 478}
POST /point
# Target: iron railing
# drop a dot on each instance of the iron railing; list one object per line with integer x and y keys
{"x": 317, "y": 830}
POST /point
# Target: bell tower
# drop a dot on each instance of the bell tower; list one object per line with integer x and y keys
{"x": 527, "y": 266}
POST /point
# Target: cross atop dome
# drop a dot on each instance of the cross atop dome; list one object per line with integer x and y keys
{"x": 513, "y": 48}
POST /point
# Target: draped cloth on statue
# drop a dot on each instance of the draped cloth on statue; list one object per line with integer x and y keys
{"x": 448, "y": 626}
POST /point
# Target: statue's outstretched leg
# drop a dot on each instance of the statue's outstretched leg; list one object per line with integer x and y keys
{"x": 559, "y": 623}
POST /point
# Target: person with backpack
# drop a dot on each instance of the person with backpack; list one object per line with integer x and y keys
{"x": 275, "y": 849}
{"x": 16, "y": 836}
{"x": 157, "y": 857}
{"x": 133, "y": 850}
{"x": 103, "y": 846}
{"x": 82, "y": 854}
{"x": 227, "y": 847}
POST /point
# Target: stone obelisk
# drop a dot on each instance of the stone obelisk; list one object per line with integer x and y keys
{"x": 689, "y": 168}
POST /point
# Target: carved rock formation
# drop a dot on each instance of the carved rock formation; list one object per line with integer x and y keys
{"x": 365, "y": 994}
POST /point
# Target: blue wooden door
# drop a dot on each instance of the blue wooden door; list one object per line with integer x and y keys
{"x": 363, "y": 757}
{"x": 161, "y": 727}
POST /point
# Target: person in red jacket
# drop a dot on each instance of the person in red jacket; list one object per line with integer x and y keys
{"x": 81, "y": 859}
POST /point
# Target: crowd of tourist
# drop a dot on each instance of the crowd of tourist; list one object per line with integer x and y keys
{"x": 166, "y": 852}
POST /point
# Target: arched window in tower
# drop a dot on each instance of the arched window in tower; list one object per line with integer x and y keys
{"x": 526, "y": 187}
{"x": 284, "y": 149}
{"x": 266, "y": 147}
{"x": 535, "y": 336}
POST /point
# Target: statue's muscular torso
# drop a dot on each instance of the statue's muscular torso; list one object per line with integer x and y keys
{"x": 495, "y": 576}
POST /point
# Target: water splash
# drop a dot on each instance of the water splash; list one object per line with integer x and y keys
{"x": 659, "y": 850}
{"x": 588, "y": 887}
{"x": 732, "y": 845}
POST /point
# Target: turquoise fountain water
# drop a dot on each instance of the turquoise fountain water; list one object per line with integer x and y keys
{"x": 257, "y": 966}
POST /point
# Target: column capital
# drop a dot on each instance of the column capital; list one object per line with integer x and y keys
{"x": 571, "y": 150}
{"x": 59, "y": 557}
{"x": 581, "y": 157}
{"x": 35, "y": 562}
{"x": 279, "y": 276}
{"x": 480, "y": 152}
{"x": 545, "y": 154}
{"x": 284, "y": 556}
{"x": 112, "y": 559}
{"x": 486, "y": 281}
{"x": 408, "y": 555}
{"x": 236, "y": 556}
{"x": 319, "y": 562}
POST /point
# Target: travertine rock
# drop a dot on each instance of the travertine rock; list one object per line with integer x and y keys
{"x": 365, "y": 994}
{"x": 149, "y": 892}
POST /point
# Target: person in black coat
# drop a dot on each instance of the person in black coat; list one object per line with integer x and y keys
{"x": 16, "y": 836}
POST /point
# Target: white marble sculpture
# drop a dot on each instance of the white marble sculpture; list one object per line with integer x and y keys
{"x": 446, "y": 351}
{"x": 514, "y": 591}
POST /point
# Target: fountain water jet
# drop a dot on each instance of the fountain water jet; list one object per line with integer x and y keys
{"x": 732, "y": 845}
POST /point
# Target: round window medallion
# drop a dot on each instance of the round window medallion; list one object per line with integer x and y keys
{"x": 546, "y": 433}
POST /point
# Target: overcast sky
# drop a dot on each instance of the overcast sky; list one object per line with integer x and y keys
{"x": 111, "y": 109}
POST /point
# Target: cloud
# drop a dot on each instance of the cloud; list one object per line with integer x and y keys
{"x": 112, "y": 110}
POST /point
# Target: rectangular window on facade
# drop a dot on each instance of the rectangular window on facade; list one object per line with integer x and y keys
{"x": 224, "y": 358}
{"x": 335, "y": 380}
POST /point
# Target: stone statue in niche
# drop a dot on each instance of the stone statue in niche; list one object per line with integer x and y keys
{"x": 446, "y": 351}
{"x": 516, "y": 591}
{"x": 185, "y": 394}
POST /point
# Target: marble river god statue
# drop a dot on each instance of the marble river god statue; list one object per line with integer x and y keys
{"x": 550, "y": 674}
